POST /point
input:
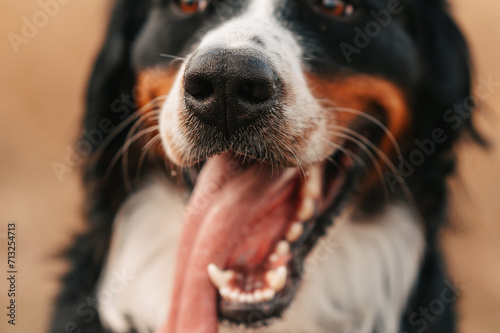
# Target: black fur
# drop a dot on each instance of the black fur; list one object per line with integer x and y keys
{"x": 438, "y": 74}
{"x": 112, "y": 77}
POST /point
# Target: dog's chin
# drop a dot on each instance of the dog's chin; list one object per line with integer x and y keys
{"x": 268, "y": 217}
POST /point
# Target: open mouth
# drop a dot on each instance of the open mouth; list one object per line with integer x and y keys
{"x": 248, "y": 229}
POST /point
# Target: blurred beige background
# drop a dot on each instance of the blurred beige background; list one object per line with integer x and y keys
{"x": 41, "y": 100}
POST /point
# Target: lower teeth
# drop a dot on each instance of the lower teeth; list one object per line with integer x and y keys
{"x": 256, "y": 296}
{"x": 275, "y": 278}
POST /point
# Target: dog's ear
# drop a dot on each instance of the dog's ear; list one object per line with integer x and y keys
{"x": 444, "y": 50}
{"x": 109, "y": 94}
{"x": 447, "y": 84}
{"x": 444, "y": 103}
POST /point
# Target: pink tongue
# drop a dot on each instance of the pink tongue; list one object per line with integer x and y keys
{"x": 227, "y": 203}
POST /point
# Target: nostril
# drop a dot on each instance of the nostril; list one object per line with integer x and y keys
{"x": 255, "y": 93}
{"x": 230, "y": 89}
{"x": 200, "y": 89}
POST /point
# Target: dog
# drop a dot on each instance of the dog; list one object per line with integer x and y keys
{"x": 269, "y": 166}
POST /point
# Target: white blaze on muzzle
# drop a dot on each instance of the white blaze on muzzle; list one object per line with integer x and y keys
{"x": 256, "y": 31}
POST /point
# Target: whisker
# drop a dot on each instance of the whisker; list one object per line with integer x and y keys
{"x": 120, "y": 127}
{"x": 299, "y": 163}
{"x": 133, "y": 128}
{"x": 384, "y": 158}
{"x": 151, "y": 141}
{"x": 144, "y": 152}
{"x": 371, "y": 118}
{"x": 372, "y": 158}
{"x": 369, "y": 143}
{"x": 354, "y": 157}
{"x": 245, "y": 155}
{"x": 127, "y": 145}
{"x": 171, "y": 56}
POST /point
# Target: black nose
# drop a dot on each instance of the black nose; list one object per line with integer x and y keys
{"x": 229, "y": 89}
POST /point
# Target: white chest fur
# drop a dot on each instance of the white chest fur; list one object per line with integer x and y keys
{"x": 357, "y": 279}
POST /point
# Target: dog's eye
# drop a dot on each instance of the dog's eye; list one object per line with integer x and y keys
{"x": 193, "y": 6}
{"x": 335, "y": 7}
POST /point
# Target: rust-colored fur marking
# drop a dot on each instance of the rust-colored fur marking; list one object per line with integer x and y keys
{"x": 361, "y": 92}
{"x": 153, "y": 83}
